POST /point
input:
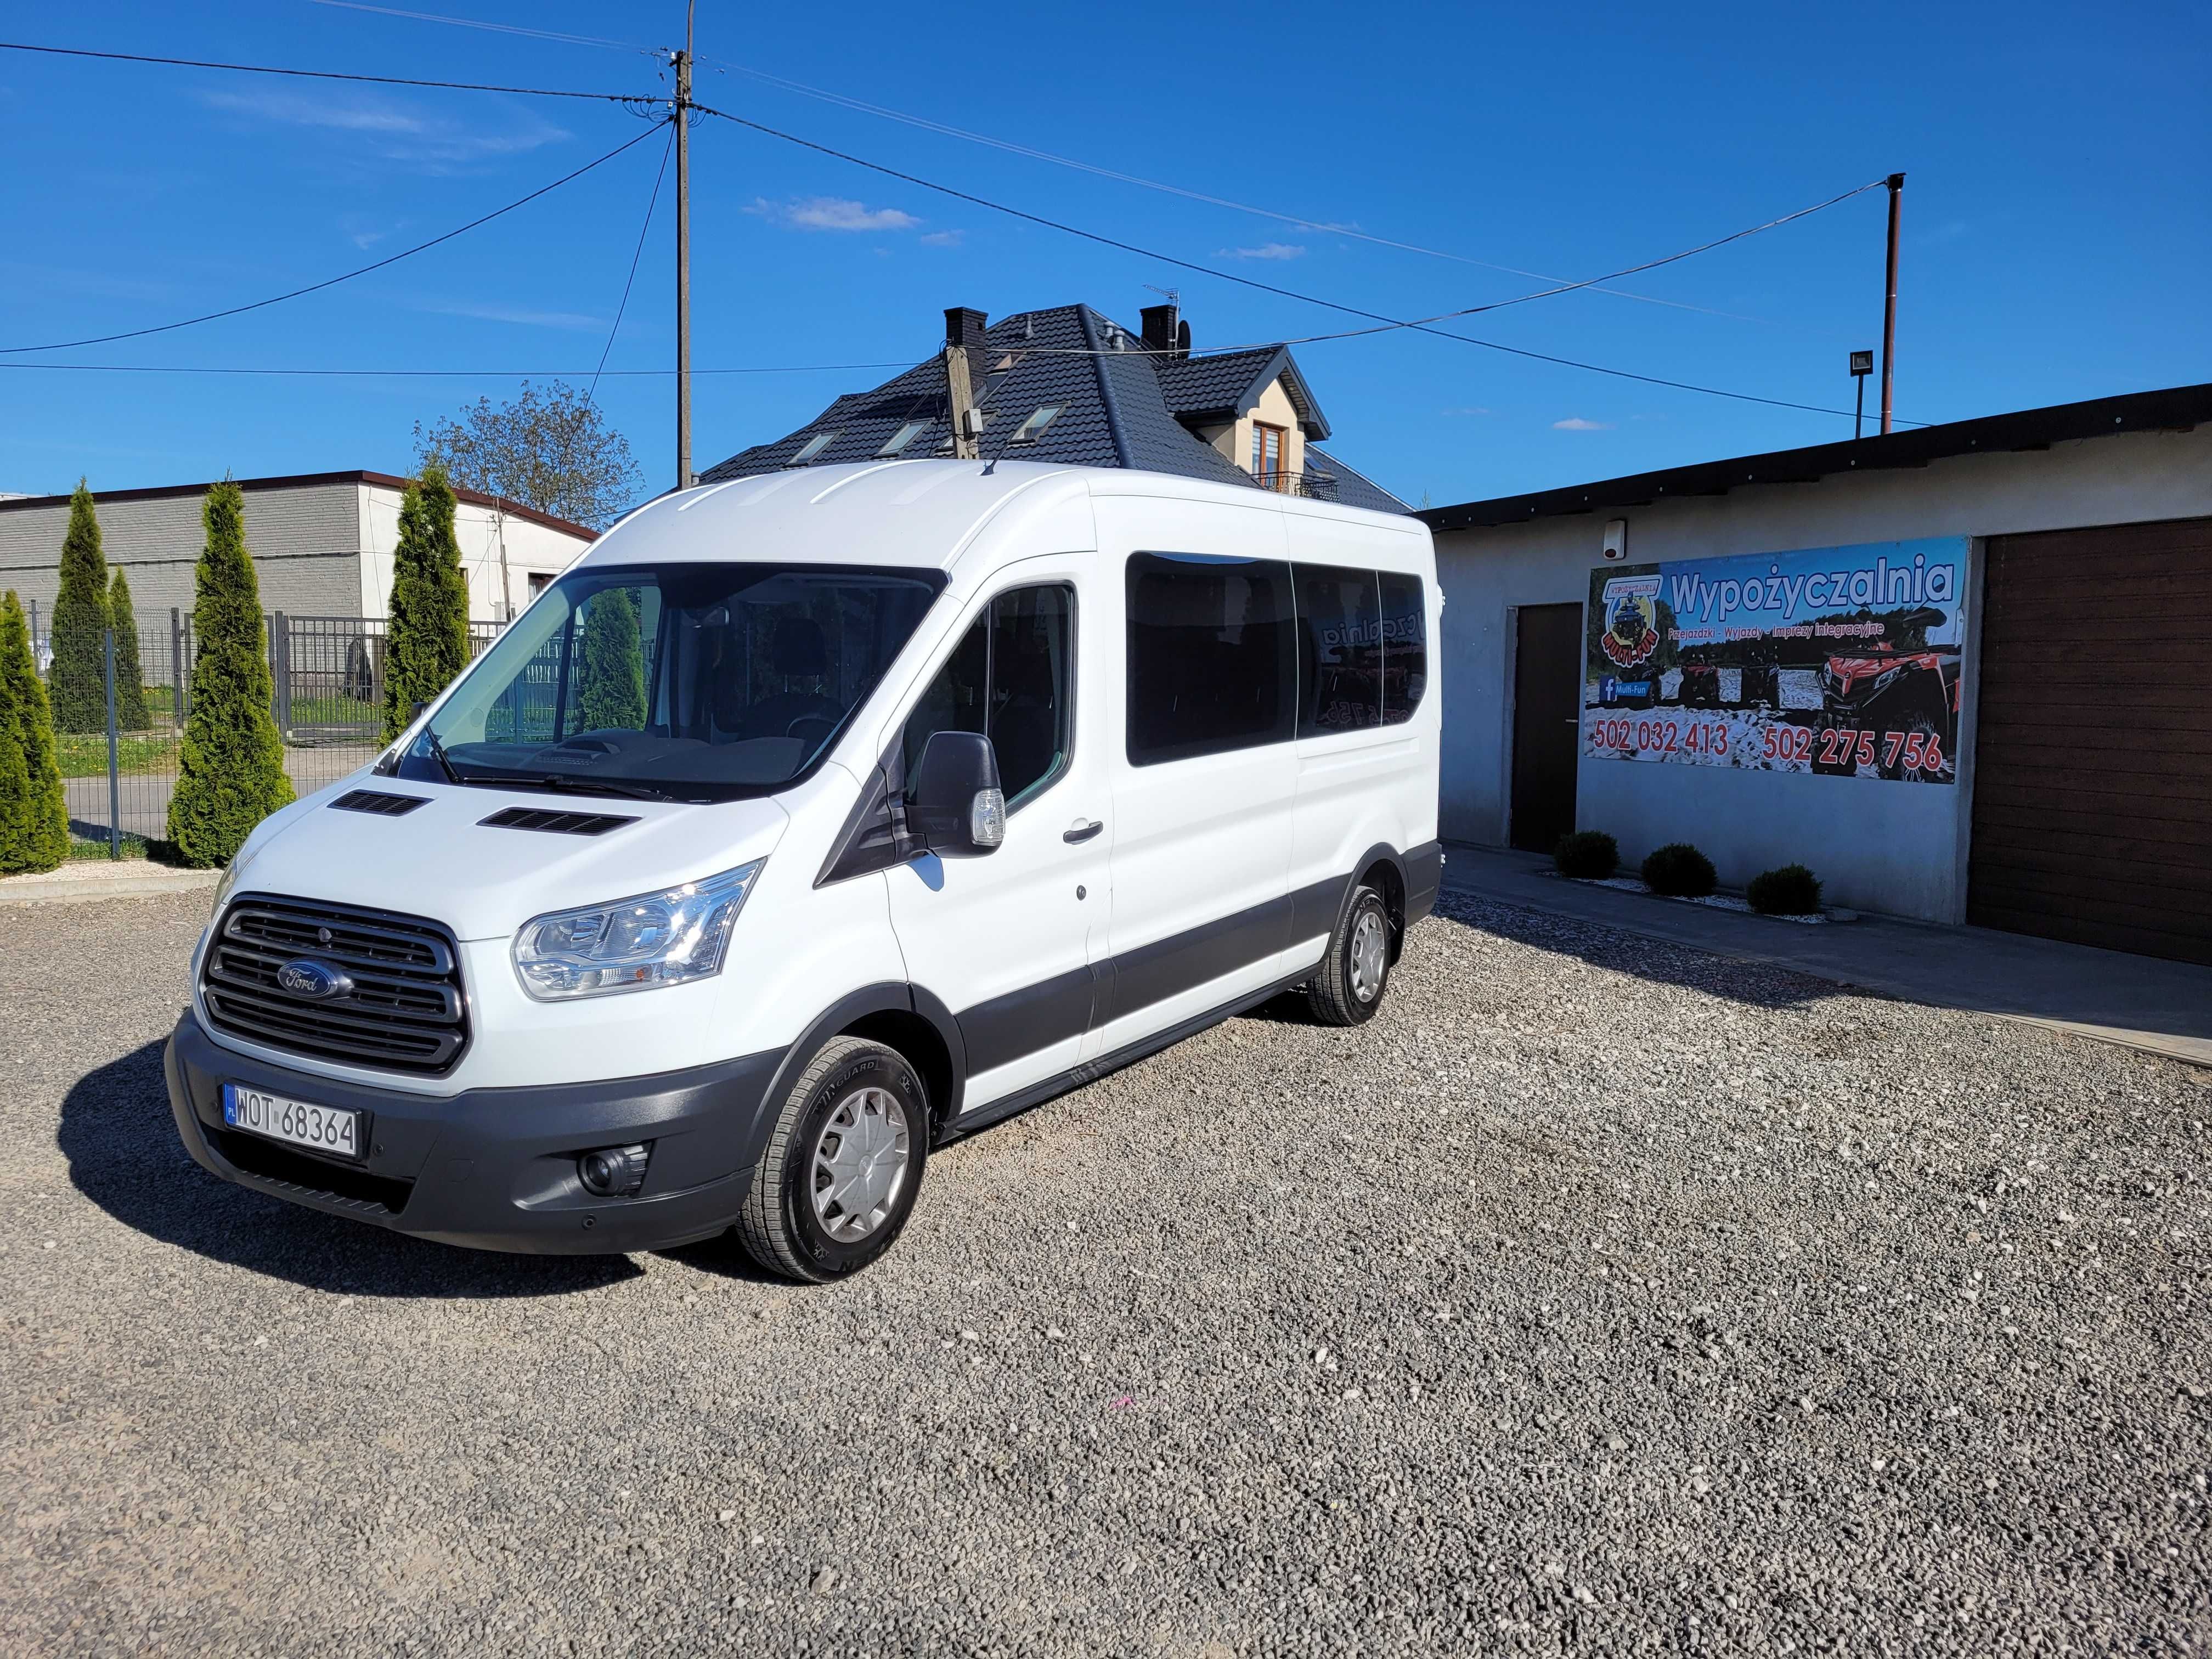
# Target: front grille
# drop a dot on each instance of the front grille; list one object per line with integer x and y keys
{"x": 402, "y": 1007}
{"x": 355, "y": 1188}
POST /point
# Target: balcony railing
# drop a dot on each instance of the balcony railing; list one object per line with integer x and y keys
{"x": 1316, "y": 486}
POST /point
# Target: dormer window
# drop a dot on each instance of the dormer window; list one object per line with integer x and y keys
{"x": 1268, "y": 455}
{"x": 813, "y": 447}
{"x": 1033, "y": 429}
{"x": 896, "y": 443}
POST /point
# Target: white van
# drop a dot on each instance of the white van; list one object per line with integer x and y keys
{"x": 811, "y": 820}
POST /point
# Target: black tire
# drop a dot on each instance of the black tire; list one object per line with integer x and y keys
{"x": 779, "y": 1226}
{"x": 1346, "y": 991}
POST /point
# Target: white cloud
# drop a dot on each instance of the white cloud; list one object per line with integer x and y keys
{"x": 942, "y": 239}
{"x": 1265, "y": 251}
{"x": 495, "y": 314}
{"x": 1470, "y": 408}
{"x": 1576, "y": 423}
{"x": 390, "y": 129}
{"x": 831, "y": 213}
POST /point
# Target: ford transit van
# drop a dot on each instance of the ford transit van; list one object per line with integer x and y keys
{"x": 811, "y": 820}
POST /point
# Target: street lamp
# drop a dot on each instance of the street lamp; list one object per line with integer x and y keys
{"x": 1861, "y": 366}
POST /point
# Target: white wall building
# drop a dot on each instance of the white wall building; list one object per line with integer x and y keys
{"x": 2031, "y": 593}
{"x": 322, "y": 545}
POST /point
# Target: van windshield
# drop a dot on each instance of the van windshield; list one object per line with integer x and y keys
{"x": 688, "y": 682}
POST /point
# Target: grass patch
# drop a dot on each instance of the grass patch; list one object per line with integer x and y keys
{"x": 84, "y": 754}
{"x": 157, "y": 851}
{"x": 337, "y": 711}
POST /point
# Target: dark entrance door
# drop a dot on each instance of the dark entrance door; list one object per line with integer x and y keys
{"x": 1547, "y": 717}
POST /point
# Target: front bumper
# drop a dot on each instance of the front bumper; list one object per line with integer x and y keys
{"x": 495, "y": 1169}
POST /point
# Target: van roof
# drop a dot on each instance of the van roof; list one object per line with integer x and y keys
{"x": 922, "y": 513}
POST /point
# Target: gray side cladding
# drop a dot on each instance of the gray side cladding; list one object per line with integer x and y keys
{"x": 305, "y": 540}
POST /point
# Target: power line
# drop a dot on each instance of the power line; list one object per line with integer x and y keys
{"x": 325, "y": 75}
{"x": 443, "y": 373}
{"x": 1388, "y": 324}
{"x": 1295, "y": 221}
{"x": 495, "y": 28}
{"x": 332, "y": 281}
{"x": 652, "y": 202}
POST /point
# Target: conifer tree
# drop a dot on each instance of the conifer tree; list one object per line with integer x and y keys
{"x": 610, "y": 664}
{"x": 130, "y": 682}
{"x": 230, "y": 772}
{"x": 427, "y": 642}
{"x": 79, "y": 676}
{"x": 33, "y": 818}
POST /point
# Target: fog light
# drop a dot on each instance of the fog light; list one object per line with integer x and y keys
{"x": 613, "y": 1171}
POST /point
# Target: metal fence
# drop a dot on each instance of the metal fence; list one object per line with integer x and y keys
{"x": 326, "y": 678}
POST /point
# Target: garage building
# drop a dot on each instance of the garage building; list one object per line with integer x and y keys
{"x": 1963, "y": 673}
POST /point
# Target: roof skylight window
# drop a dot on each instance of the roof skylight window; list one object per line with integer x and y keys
{"x": 813, "y": 447}
{"x": 1033, "y": 429}
{"x": 906, "y": 434}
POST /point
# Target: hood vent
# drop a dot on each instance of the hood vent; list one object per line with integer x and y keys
{"x": 552, "y": 822}
{"x": 381, "y": 805}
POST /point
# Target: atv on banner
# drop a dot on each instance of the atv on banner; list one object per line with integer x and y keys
{"x": 1896, "y": 711}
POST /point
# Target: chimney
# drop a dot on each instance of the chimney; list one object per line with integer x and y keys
{"x": 964, "y": 326}
{"x": 1164, "y": 332}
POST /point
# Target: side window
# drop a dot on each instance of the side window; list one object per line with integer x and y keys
{"x": 1213, "y": 659}
{"x": 1405, "y": 648}
{"x": 1339, "y": 650}
{"x": 1011, "y": 678}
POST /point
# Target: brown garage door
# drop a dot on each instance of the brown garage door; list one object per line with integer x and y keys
{"x": 2092, "y": 760}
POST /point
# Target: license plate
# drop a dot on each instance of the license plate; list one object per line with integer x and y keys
{"x": 329, "y": 1129}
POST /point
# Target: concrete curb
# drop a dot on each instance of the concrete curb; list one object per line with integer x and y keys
{"x": 127, "y": 879}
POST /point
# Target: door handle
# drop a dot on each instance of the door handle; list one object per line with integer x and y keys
{"x": 1081, "y": 831}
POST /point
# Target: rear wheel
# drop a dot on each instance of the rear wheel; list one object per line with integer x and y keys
{"x": 1348, "y": 987}
{"x": 843, "y": 1165}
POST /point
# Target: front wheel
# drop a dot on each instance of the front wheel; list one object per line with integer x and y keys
{"x": 843, "y": 1166}
{"x": 1348, "y": 987}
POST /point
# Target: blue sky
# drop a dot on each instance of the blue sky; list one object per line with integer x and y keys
{"x": 2057, "y": 216}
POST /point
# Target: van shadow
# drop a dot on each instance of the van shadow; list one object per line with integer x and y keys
{"x": 1755, "y": 984}
{"x": 125, "y": 1156}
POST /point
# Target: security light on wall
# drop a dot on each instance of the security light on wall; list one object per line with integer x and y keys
{"x": 1616, "y": 538}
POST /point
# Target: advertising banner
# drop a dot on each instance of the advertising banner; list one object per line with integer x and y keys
{"x": 1843, "y": 661}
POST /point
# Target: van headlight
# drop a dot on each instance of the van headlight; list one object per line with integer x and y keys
{"x": 668, "y": 938}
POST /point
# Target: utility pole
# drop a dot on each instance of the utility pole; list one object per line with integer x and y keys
{"x": 683, "y": 118}
{"x": 957, "y": 398}
{"x": 1896, "y": 182}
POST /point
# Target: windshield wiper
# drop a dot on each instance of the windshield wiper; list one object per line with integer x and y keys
{"x": 438, "y": 754}
{"x": 565, "y": 785}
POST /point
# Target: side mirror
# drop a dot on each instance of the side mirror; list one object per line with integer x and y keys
{"x": 954, "y": 806}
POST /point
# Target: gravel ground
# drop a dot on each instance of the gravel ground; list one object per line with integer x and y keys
{"x": 1600, "y": 1295}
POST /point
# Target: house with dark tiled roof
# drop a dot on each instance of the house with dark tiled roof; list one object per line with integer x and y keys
{"x": 1070, "y": 386}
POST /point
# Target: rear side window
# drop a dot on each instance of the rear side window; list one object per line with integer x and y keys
{"x": 1212, "y": 656}
{"x": 1011, "y": 678}
{"x": 1340, "y": 649}
{"x": 1405, "y": 648}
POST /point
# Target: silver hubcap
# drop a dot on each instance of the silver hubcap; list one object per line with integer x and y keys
{"x": 860, "y": 1163}
{"x": 1371, "y": 947}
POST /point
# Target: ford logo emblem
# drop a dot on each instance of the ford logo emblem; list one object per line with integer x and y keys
{"x": 308, "y": 978}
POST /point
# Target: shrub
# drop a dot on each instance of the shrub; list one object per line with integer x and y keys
{"x": 1679, "y": 870}
{"x": 77, "y": 682}
{"x": 1791, "y": 891}
{"x": 129, "y": 679}
{"x": 428, "y": 642}
{"x": 34, "y": 819}
{"x": 230, "y": 771}
{"x": 610, "y": 663}
{"x": 1587, "y": 855}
